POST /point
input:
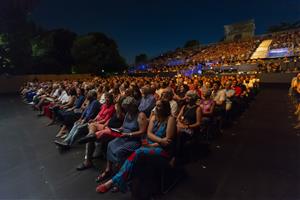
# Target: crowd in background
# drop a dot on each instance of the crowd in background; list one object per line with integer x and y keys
{"x": 289, "y": 39}
{"x": 227, "y": 53}
{"x": 134, "y": 118}
{"x": 232, "y": 53}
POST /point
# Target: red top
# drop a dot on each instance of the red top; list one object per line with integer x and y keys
{"x": 238, "y": 90}
{"x": 106, "y": 112}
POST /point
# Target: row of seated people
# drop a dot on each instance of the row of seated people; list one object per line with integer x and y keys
{"x": 289, "y": 39}
{"x": 135, "y": 117}
{"x": 282, "y": 65}
{"x": 224, "y": 53}
{"x": 232, "y": 51}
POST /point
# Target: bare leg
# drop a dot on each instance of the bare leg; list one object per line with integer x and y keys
{"x": 108, "y": 166}
{"x": 108, "y": 184}
{"x": 62, "y": 131}
{"x": 92, "y": 128}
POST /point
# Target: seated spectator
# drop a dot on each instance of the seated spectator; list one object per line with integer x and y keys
{"x": 62, "y": 99}
{"x": 71, "y": 115}
{"x": 47, "y": 98}
{"x": 180, "y": 95}
{"x": 134, "y": 126}
{"x": 104, "y": 133}
{"x": 58, "y": 108}
{"x": 159, "y": 143}
{"x": 106, "y": 112}
{"x": 218, "y": 96}
{"x": 189, "y": 117}
{"x": 207, "y": 105}
{"x": 80, "y": 126}
{"x": 229, "y": 94}
{"x": 167, "y": 95}
{"x": 188, "y": 123}
{"x": 147, "y": 102}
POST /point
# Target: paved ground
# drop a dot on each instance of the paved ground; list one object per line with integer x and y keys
{"x": 259, "y": 158}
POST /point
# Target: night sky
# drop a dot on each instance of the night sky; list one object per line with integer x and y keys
{"x": 155, "y": 26}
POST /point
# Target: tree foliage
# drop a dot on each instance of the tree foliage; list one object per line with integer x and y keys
{"x": 95, "y": 52}
{"x": 192, "y": 44}
{"x": 141, "y": 59}
{"x": 51, "y": 51}
{"x": 27, "y": 48}
{"x": 15, "y": 24}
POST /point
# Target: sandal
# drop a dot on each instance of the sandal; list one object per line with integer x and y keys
{"x": 104, "y": 175}
{"x": 102, "y": 188}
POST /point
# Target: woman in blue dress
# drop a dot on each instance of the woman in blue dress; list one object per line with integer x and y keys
{"x": 134, "y": 126}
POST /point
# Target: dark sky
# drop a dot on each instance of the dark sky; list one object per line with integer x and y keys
{"x": 155, "y": 26}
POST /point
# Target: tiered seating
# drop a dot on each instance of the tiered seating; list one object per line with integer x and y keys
{"x": 229, "y": 54}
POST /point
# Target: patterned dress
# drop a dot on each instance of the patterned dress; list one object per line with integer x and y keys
{"x": 120, "y": 148}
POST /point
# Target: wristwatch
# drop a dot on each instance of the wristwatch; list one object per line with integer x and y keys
{"x": 130, "y": 134}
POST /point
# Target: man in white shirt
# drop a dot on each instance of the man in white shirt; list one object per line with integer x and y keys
{"x": 219, "y": 96}
{"x": 64, "y": 97}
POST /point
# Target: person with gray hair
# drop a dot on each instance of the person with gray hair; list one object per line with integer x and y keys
{"x": 167, "y": 95}
{"x": 147, "y": 102}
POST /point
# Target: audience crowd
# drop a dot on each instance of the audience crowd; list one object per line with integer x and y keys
{"x": 133, "y": 118}
{"x": 288, "y": 39}
{"x": 229, "y": 54}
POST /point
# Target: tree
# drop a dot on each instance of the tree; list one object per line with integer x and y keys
{"x": 191, "y": 44}
{"x": 95, "y": 52}
{"x": 15, "y": 24}
{"x": 5, "y": 63}
{"x": 141, "y": 59}
{"x": 51, "y": 51}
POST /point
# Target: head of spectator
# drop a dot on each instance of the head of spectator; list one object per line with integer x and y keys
{"x": 145, "y": 90}
{"x": 207, "y": 94}
{"x": 167, "y": 94}
{"x": 227, "y": 85}
{"x": 91, "y": 95}
{"x": 109, "y": 98}
{"x": 130, "y": 105}
{"x": 163, "y": 109}
{"x": 191, "y": 97}
{"x": 80, "y": 91}
{"x": 72, "y": 91}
